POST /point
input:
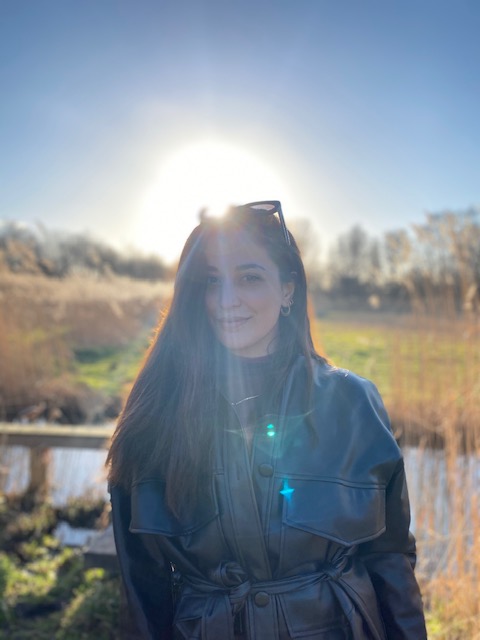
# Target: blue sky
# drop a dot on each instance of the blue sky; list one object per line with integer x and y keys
{"x": 123, "y": 118}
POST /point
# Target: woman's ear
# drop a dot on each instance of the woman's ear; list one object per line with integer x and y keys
{"x": 288, "y": 289}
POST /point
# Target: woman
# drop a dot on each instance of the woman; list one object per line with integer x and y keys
{"x": 257, "y": 491}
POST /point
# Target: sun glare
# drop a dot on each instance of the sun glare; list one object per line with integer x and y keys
{"x": 209, "y": 175}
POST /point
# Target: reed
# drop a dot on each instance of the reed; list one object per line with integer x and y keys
{"x": 427, "y": 367}
{"x": 449, "y": 542}
{"x": 32, "y": 352}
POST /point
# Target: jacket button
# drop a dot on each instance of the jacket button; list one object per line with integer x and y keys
{"x": 266, "y": 470}
{"x": 261, "y": 599}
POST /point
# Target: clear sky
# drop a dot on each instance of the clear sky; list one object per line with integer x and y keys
{"x": 123, "y": 118}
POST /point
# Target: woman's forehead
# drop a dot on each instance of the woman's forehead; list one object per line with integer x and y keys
{"x": 232, "y": 249}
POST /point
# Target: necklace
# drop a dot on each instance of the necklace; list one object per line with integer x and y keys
{"x": 234, "y": 404}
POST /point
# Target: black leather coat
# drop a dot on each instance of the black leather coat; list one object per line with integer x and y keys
{"x": 305, "y": 537}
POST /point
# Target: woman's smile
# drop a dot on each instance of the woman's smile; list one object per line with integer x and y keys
{"x": 231, "y": 323}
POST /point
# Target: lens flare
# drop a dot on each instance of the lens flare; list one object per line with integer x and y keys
{"x": 287, "y": 491}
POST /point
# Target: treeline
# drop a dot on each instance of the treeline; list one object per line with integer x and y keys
{"x": 417, "y": 268}
{"x": 431, "y": 265}
{"x": 37, "y": 251}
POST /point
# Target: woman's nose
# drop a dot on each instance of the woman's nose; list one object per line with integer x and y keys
{"x": 228, "y": 296}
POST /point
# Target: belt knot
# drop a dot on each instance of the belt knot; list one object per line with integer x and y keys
{"x": 334, "y": 570}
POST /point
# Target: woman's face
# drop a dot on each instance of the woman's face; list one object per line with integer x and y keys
{"x": 244, "y": 294}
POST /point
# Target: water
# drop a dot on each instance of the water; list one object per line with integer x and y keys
{"x": 444, "y": 507}
{"x": 435, "y": 500}
{"x": 433, "y": 495}
{"x": 79, "y": 471}
{"x": 75, "y": 472}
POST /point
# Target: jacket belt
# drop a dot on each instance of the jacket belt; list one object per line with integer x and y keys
{"x": 225, "y": 601}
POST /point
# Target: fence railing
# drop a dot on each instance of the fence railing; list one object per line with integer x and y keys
{"x": 41, "y": 438}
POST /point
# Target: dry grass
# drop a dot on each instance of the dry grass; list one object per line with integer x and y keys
{"x": 43, "y": 321}
{"x": 445, "y": 502}
{"x": 428, "y": 370}
{"x": 91, "y": 310}
{"x": 435, "y": 383}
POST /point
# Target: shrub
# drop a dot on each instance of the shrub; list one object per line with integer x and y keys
{"x": 94, "y": 609}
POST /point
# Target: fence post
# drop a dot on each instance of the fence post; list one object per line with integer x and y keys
{"x": 40, "y": 472}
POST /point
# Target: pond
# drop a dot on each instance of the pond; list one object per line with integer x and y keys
{"x": 75, "y": 472}
{"x": 443, "y": 492}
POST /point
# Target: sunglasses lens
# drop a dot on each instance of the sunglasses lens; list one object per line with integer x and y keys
{"x": 264, "y": 207}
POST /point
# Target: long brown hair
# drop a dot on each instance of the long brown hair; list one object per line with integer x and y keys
{"x": 168, "y": 423}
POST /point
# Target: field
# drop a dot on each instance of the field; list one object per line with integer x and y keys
{"x": 427, "y": 370}
{"x": 72, "y": 345}
{"x": 75, "y": 346}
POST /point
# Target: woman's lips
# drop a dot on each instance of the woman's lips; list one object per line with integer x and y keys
{"x": 230, "y": 324}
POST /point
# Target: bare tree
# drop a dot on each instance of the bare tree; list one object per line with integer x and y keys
{"x": 450, "y": 245}
{"x": 356, "y": 258}
{"x": 398, "y": 249}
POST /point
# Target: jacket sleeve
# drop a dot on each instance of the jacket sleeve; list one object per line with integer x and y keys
{"x": 145, "y": 572}
{"x": 390, "y": 560}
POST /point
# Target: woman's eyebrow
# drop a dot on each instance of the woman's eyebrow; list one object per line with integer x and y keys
{"x": 240, "y": 267}
{"x": 249, "y": 265}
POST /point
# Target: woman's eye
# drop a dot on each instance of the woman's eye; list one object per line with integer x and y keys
{"x": 250, "y": 278}
{"x": 212, "y": 281}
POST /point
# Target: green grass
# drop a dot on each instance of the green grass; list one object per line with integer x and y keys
{"x": 54, "y": 597}
{"x": 108, "y": 369}
{"x": 408, "y": 361}
{"x": 45, "y": 591}
{"x": 360, "y": 348}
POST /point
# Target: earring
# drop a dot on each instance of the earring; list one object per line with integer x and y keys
{"x": 286, "y": 309}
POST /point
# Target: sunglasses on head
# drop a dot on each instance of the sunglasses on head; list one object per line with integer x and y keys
{"x": 266, "y": 207}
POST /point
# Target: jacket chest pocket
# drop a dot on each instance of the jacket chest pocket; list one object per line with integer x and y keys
{"x": 346, "y": 513}
{"x": 150, "y": 513}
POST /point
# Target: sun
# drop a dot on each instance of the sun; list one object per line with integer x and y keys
{"x": 207, "y": 174}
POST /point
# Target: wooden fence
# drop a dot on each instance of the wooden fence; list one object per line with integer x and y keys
{"x": 41, "y": 438}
